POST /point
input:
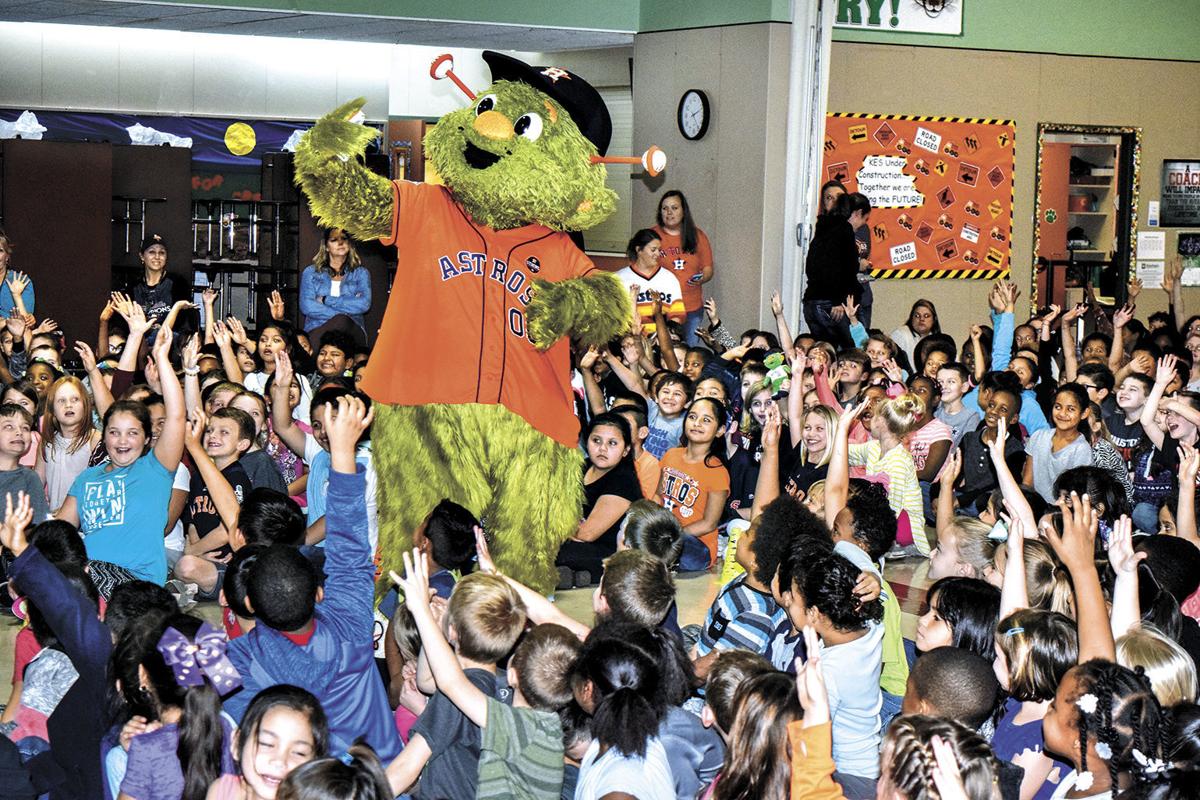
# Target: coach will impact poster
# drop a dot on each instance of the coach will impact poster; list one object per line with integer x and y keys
{"x": 941, "y": 189}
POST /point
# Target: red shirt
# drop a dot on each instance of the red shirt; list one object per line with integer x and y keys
{"x": 455, "y": 330}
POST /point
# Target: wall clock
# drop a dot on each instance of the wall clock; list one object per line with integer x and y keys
{"x": 694, "y": 114}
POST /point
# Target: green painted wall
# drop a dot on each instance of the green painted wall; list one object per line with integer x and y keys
{"x": 614, "y": 15}
{"x": 1168, "y": 29}
{"x": 1126, "y": 28}
{"x": 665, "y": 15}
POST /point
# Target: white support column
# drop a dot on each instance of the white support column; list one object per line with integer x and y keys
{"x": 808, "y": 94}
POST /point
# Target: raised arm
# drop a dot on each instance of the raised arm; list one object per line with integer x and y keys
{"x": 1185, "y": 515}
{"x": 1070, "y": 358}
{"x": 281, "y": 415}
{"x": 1014, "y": 592}
{"x": 169, "y": 448}
{"x": 796, "y": 398}
{"x": 229, "y": 362}
{"x": 100, "y": 391}
{"x": 627, "y": 376}
{"x": 1014, "y": 498}
{"x": 767, "y": 487}
{"x": 190, "y": 358}
{"x": 837, "y": 479}
{"x": 209, "y": 298}
{"x": 781, "y": 326}
{"x": 175, "y": 311}
{"x": 591, "y": 387}
{"x": 539, "y": 609}
{"x": 223, "y": 497}
{"x": 341, "y": 191}
{"x": 1116, "y": 354}
{"x": 1126, "y": 607}
{"x": 135, "y": 319}
{"x": 1075, "y": 548}
{"x": 945, "y": 500}
{"x": 447, "y": 672}
{"x": 663, "y": 337}
{"x": 102, "y": 334}
{"x": 1003, "y": 303}
{"x": 1162, "y": 378}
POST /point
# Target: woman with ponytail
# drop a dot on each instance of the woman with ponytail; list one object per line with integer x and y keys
{"x": 173, "y": 674}
{"x": 621, "y": 686}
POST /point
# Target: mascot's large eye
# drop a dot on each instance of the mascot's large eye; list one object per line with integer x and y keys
{"x": 486, "y": 103}
{"x": 529, "y": 126}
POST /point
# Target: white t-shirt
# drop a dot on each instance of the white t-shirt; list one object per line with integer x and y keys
{"x": 647, "y": 778}
{"x": 851, "y": 673}
{"x": 183, "y": 480}
{"x": 663, "y": 282}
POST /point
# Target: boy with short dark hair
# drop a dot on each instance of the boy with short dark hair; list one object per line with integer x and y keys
{"x": 321, "y": 639}
{"x": 978, "y": 474}
{"x": 649, "y": 471}
{"x": 635, "y": 587}
{"x": 666, "y": 403}
{"x": 16, "y": 433}
{"x": 520, "y": 749}
{"x": 953, "y": 683}
{"x": 334, "y": 357}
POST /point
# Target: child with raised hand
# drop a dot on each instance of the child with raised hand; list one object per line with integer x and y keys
{"x": 695, "y": 482}
{"x": 1154, "y": 467}
{"x": 16, "y": 432}
{"x": 321, "y": 639}
{"x": 259, "y": 465}
{"x": 885, "y": 457}
{"x": 962, "y": 766}
{"x": 284, "y": 728}
{"x": 1034, "y": 649}
{"x": 1125, "y": 423}
{"x": 521, "y": 746}
{"x": 218, "y": 487}
{"x": 121, "y": 506}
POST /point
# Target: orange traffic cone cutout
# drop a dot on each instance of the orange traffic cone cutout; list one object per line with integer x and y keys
{"x": 654, "y": 160}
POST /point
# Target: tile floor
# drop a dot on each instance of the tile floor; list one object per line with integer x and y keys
{"x": 695, "y": 594}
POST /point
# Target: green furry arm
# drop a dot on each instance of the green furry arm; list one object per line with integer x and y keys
{"x": 341, "y": 191}
{"x": 595, "y": 310}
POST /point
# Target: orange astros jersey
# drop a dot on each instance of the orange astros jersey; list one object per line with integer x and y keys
{"x": 455, "y": 328}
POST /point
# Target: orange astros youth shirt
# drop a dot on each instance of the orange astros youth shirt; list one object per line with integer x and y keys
{"x": 455, "y": 327}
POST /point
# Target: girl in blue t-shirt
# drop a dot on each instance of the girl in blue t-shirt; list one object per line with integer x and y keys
{"x": 121, "y": 506}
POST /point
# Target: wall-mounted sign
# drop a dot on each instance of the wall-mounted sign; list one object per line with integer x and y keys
{"x": 1180, "y": 196}
{"x": 941, "y": 191}
{"x": 904, "y": 16}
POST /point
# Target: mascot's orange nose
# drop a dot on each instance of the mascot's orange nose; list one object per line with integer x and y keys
{"x": 494, "y": 125}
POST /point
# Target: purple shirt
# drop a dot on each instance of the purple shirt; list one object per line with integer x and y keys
{"x": 154, "y": 772}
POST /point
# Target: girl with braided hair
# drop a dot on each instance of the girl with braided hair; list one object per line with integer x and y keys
{"x": 1107, "y": 721}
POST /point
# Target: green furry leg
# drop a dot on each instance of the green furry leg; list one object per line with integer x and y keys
{"x": 524, "y": 485}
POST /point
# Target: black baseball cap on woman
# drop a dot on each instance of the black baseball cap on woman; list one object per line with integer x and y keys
{"x": 150, "y": 241}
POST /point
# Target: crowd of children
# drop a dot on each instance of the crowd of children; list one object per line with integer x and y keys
{"x": 1044, "y": 480}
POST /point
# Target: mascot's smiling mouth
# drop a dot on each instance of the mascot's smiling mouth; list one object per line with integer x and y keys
{"x": 478, "y": 158}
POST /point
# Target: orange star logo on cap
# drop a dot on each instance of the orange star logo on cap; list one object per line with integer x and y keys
{"x": 554, "y": 73}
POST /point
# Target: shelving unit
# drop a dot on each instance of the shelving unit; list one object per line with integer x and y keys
{"x": 244, "y": 248}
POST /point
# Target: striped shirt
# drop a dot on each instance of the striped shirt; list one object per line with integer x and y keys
{"x": 740, "y": 618}
{"x": 900, "y": 478}
{"x": 521, "y": 755}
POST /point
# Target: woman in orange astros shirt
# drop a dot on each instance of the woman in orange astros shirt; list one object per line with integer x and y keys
{"x": 685, "y": 251}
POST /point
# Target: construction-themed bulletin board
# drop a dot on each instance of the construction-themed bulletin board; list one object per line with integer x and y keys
{"x": 941, "y": 191}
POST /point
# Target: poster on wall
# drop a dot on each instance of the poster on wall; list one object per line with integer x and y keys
{"x": 1180, "y": 197}
{"x": 941, "y": 189}
{"x": 902, "y": 16}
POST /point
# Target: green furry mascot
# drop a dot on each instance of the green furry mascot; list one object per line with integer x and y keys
{"x": 471, "y": 368}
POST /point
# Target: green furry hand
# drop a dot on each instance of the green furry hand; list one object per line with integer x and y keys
{"x": 342, "y": 193}
{"x": 595, "y": 310}
{"x": 335, "y": 135}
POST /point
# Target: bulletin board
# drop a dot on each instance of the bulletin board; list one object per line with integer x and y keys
{"x": 941, "y": 190}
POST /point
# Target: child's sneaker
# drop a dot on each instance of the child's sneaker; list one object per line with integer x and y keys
{"x": 184, "y": 593}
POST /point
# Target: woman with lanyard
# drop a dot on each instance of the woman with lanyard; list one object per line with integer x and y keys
{"x": 685, "y": 251}
{"x": 158, "y": 292}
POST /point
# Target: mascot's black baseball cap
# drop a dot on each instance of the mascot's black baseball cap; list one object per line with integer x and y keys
{"x": 572, "y": 92}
